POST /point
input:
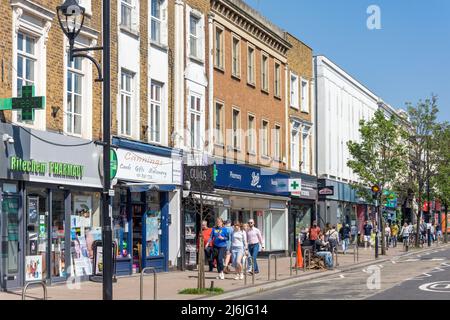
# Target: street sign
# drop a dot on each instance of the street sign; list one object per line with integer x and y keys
{"x": 295, "y": 185}
{"x": 27, "y": 103}
{"x": 326, "y": 191}
{"x": 114, "y": 163}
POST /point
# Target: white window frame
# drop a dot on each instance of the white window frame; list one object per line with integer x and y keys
{"x": 82, "y": 73}
{"x": 152, "y": 114}
{"x": 251, "y": 134}
{"x": 156, "y": 21}
{"x": 195, "y": 143}
{"x": 304, "y": 95}
{"x": 277, "y": 79}
{"x": 306, "y": 132}
{"x": 236, "y": 58}
{"x": 22, "y": 55}
{"x": 294, "y": 90}
{"x": 219, "y": 51}
{"x": 277, "y": 142}
{"x": 295, "y": 146}
{"x": 251, "y": 66}
{"x": 219, "y": 132}
{"x": 196, "y": 37}
{"x": 236, "y": 131}
{"x": 128, "y": 4}
{"x": 23, "y": 13}
{"x": 265, "y": 73}
{"x": 124, "y": 93}
{"x": 265, "y": 135}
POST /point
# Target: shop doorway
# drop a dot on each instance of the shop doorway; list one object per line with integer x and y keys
{"x": 37, "y": 258}
{"x": 58, "y": 230}
{"x": 12, "y": 245}
{"x": 137, "y": 212}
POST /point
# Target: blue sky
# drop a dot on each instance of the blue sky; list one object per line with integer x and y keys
{"x": 406, "y": 60}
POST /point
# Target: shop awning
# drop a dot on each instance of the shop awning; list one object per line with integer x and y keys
{"x": 208, "y": 198}
{"x": 142, "y": 187}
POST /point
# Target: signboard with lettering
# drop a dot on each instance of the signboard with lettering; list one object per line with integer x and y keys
{"x": 144, "y": 167}
{"x": 201, "y": 178}
{"x": 246, "y": 178}
{"x": 326, "y": 191}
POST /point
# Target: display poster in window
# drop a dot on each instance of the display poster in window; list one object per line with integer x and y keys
{"x": 33, "y": 207}
{"x": 92, "y": 235}
{"x": 80, "y": 256}
{"x": 152, "y": 222}
{"x": 99, "y": 260}
{"x": 33, "y": 268}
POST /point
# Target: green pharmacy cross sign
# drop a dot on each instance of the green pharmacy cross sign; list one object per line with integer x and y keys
{"x": 27, "y": 103}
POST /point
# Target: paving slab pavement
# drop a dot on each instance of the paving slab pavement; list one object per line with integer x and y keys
{"x": 128, "y": 288}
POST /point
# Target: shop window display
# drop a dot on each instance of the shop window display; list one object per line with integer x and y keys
{"x": 153, "y": 225}
{"x": 121, "y": 224}
{"x": 82, "y": 232}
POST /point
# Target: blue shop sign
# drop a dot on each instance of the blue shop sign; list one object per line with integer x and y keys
{"x": 249, "y": 179}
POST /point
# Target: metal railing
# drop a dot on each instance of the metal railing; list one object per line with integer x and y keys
{"x": 245, "y": 270}
{"x": 307, "y": 253}
{"x": 154, "y": 282}
{"x": 356, "y": 252}
{"x": 290, "y": 263}
{"x": 42, "y": 283}
{"x": 269, "y": 262}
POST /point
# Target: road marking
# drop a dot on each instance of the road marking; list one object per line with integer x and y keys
{"x": 342, "y": 276}
{"x": 393, "y": 262}
{"x": 441, "y": 287}
{"x": 412, "y": 260}
{"x": 438, "y": 259}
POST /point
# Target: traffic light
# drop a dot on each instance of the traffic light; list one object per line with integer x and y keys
{"x": 375, "y": 191}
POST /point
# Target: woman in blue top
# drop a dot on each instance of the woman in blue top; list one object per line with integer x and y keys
{"x": 219, "y": 238}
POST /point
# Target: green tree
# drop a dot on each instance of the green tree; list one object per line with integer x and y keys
{"x": 441, "y": 180}
{"x": 379, "y": 158}
{"x": 423, "y": 153}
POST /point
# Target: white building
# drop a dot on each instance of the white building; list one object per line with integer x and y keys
{"x": 341, "y": 103}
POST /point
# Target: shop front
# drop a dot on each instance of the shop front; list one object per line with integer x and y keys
{"x": 146, "y": 206}
{"x": 50, "y": 206}
{"x": 302, "y": 207}
{"x": 255, "y": 193}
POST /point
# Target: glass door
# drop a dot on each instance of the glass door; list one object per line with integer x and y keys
{"x": 11, "y": 256}
{"x": 36, "y": 253}
{"x": 58, "y": 243}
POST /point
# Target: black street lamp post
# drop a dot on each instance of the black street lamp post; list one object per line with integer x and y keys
{"x": 71, "y": 18}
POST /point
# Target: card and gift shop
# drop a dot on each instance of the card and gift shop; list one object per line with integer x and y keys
{"x": 147, "y": 184}
{"x": 50, "y": 206}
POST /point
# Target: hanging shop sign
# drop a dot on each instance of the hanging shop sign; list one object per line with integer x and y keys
{"x": 326, "y": 191}
{"x": 27, "y": 103}
{"x": 144, "y": 167}
{"x": 246, "y": 178}
{"x": 201, "y": 178}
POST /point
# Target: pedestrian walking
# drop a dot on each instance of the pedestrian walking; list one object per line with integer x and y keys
{"x": 255, "y": 241}
{"x": 353, "y": 232}
{"x": 345, "y": 236}
{"x": 332, "y": 236}
{"x": 239, "y": 248}
{"x": 367, "y": 234}
{"x": 387, "y": 235}
{"x": 209, "y": 252}
{"x": 394, "y": 234}
{"x": 228, "y": 254}
{"x": 405, "y": 233}
{"x": 219, "y": 238}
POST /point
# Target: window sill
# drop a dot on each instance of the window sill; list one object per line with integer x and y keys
{"x": 218, "y": 68}
{"x": 295, "y": 107}
{"x": 278, "y": 160}
{"x": 251, "y": 153}
{"x": 277, "y": 97}
{"x": 159, "y": 45}
{"x": 304, "y": 111}
{"x": 197, "y": 60}
{"x": 236, "y": 77}
{"x": 266, "y": 157}
{"x": 265, "y": 91}
{"x": 131, "y": 32}
{"x": 233, "y": 149}
{"x": 253, "y": 85}
{"x": 219, "y": 145}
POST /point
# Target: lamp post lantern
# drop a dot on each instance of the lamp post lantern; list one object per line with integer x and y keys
{"x": 71, "y": 19}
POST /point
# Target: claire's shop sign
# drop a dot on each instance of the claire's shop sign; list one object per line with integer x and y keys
{"x": 54, "y": 169}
